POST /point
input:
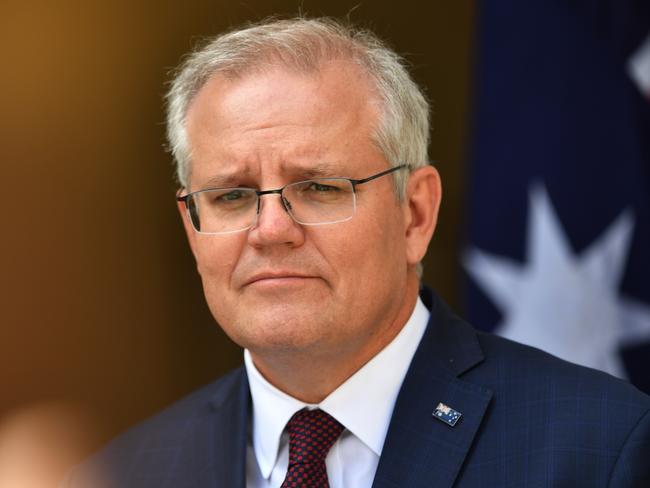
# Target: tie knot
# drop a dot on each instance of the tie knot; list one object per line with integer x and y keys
{"x": 311, "y": 435}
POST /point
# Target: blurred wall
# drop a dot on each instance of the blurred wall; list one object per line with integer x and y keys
{"x": 100, "y": 304}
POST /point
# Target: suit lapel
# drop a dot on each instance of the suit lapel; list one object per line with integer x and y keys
{"x": 232, "y": 407}
{"x": 420, "y": 450}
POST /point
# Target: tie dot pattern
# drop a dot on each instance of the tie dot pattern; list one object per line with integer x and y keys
{"x": 311, "y": 435}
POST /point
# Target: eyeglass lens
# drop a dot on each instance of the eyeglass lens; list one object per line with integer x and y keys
{"x": 312, "y": 202}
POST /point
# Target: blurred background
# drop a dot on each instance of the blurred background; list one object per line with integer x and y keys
{"x": 541, "y": 134}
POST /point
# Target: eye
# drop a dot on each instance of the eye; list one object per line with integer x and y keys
{"x": 230, "y": 196}
{"x": 319, "y": 187}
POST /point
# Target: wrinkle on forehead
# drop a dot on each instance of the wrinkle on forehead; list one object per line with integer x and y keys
{"x": 232, "y": 176}
{"x": 292, "y": 122}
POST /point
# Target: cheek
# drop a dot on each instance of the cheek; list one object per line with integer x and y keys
{"x": 216, "y": 257}
{"x": 389, "y": 246}
{"x": 367, "y": 251}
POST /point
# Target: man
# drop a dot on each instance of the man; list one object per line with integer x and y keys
{"x": 308, "y": 203}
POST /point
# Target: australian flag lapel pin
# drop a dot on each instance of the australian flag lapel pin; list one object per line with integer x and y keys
{"x": 446, "y": 414}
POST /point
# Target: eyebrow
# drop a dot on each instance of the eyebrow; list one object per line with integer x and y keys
{"x": 223, "y": 180}
{"x": 318, "y": 170}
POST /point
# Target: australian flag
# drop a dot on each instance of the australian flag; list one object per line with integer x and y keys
{"x": 558, "y": 251}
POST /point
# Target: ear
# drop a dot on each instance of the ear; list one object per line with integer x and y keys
{"x": 189, "y": 230}
{"x": 422, "y": 201}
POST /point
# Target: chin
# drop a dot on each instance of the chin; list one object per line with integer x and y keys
{"x": 281, "y": 329}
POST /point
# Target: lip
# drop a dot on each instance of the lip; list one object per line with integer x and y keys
{"x": 278, "y": 277}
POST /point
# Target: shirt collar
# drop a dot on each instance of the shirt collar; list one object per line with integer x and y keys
{"x": 363, "y": 403}
{"x": 272, "y": 409}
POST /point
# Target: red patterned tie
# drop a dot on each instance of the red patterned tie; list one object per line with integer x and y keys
{"x": 311, "y": 435}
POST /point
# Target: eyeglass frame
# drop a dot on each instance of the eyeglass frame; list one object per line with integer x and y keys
{"x": 354, "y": 182}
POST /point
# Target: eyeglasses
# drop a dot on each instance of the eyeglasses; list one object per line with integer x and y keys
{"x": 311, "y": 202}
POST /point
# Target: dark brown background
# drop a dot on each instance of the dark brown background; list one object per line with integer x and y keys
{"x": 100, "y": 301}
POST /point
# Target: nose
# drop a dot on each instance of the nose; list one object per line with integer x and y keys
{"x": 274, "y": 225}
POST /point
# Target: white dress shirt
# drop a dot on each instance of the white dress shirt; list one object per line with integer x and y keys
{"x": 363, "y": 404}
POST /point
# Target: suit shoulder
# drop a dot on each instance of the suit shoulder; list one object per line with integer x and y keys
{"x": 551, "y": 419}
{"x": 159, "y": 439}
{"x": 520, "y": 365}
{"x": 186, "y": 410}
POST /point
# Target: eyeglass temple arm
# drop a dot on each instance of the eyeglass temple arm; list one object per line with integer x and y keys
{"x": 181, "y": 198}
{"x": 378, "y": 175}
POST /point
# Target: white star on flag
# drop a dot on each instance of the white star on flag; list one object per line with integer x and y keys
{"x": 561, "y": 302}
{"x": 638, "y": 67}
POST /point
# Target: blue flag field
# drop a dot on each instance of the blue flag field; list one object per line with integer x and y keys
{"x": 558, "y": 251}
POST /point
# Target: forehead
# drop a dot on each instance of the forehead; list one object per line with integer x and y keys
{"x": 282, "y": 119}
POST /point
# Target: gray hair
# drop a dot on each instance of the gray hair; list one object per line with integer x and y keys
{"x": 402, "y": 134}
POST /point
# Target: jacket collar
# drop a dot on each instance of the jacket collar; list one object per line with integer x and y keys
{"x": 232, "y": 405}
{"x": 421, "y": 451}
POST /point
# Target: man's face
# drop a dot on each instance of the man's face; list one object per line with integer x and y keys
{"x": 283, "y": 288}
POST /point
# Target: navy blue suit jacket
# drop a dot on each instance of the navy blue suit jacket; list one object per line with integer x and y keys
{"x": 528, "y": 420}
